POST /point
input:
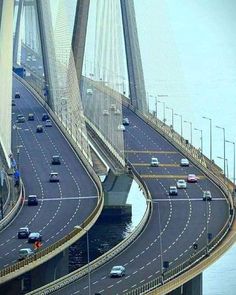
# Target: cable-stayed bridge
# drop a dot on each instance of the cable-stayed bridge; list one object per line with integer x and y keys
{"x": 80, "y": 62}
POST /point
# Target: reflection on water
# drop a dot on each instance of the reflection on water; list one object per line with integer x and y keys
{"x": 105, "y": 234}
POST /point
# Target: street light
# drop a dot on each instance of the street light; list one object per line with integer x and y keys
{"x": 226, "y": 165}
{"x": 181, "y": 124}
{"x": 210, "y": 135}
{"x": 164, "y": 110}
{"x": 228, "y": 141}
{"x": 88, "y": 258}
{"x": 201, "y": 138}
{"x": 172, "y": 116}
{"x": 224, "y": 143}
{"x": 191, "y": 131}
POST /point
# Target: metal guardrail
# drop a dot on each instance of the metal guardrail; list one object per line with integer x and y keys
{"x": 75, "y": 275}
{"x": 15, "y": 207}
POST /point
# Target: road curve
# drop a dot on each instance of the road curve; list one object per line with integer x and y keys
{"x": 177, "y": 222}
{"x": 61, "y": 205}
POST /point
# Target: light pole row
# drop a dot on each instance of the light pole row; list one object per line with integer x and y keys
{"x": 201, "y": 132}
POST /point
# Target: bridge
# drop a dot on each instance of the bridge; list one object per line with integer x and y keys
{"x": 178, "y": 236}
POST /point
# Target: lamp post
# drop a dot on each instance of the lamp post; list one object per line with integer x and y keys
{"x": 232, "y": 142}
{"x": 164, "y": 110}
{"x": 201, "y": 138}
{"x": 88, "y": 258}
{"x": 191, "y": 131}
{"x": 210, "y": 135}
{"x": 226, "y": 166}
{"x": 222, "y": 128}
{"x": 181, "y": 125}
{"x": 172, "y": 116}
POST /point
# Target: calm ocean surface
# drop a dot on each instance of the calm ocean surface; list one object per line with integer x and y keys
{"x": 188, "y": 51}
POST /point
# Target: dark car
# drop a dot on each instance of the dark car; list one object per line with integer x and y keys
{"x": 32, "y": 200}
{"x": 23, "y": 233}
{"x": 20, "y": 119}
{"x": 54, "y": 177}
{"x": 13, "y": 103}
{"x": 56, "y": 160}
{"x": 39, "y": 129}
{"x": 33, "y": 237}
{"x": 206, "y": 196}
{"x": 31, "y": 117}
{"x": 45, "y": 117}
{"x": 173, "y": 191}
{"x": 48, "y": 123}
{"x": 17, "y": 94}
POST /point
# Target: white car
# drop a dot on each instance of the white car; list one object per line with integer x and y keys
{"x": 184, "y": 162}
{"x": 117, "y": 271}
{"x": 181, "y": 183}
{"x": 105, "y": 113}
{"x": 24, "y": 253}
{"x": 154, "y": 162}
{"x": 121, "y": 127}
{"x": 89, "y": 91}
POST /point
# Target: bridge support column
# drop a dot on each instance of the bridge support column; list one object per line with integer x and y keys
{"x": 79, "y": 34}
{"x": 193, "y": 287}
{"x": 116, "y": 188}
{"x": 133, "y": 57}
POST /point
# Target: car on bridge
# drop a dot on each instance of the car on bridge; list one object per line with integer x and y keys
{"x": 24, "y": 253}
{"x": 23, "y": 233}
{"x": 48, "y": 123}
{"x": 181, "y": 183}
{"x": 20, "y": 118}
{"x": 154, "y": 162}
{"x": 33, "y": 237}
{"x": 117, "y": 271}
{"x": 89, "y": 91}
{"x": 125, "y": 121}
{"x": 192, "y": 178}
{"x": 39, "y": 128}
{"x": 32, "y": 200}
{"x": 173, "y": 191}
{"x": 184, "y": 162}
{"x": 30, "y": 117}
{"x": 206, "y": 196}
{"x": 17, "y": 94}
{"x": 53, "y": 177}
{"x": 45, "y": 117}
{"x": 56, "y": 160}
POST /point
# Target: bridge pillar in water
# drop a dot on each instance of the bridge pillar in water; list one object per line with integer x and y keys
{"x": 116, "y": 190}
{"x": 192, "y": 287}
{"x": 49, "y": 271}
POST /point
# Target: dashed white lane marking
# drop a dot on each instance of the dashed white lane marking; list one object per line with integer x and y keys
{"x": 190, "y": 199}
{"x": 69, "y": 198}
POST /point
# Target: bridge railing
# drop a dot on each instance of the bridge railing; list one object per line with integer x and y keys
{"x": 75, "y": 275}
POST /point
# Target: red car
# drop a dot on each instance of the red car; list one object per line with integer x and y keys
{"x": 192, "y": 178}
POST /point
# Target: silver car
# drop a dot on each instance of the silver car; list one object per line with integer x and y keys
{"x": 117, "y": 271}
